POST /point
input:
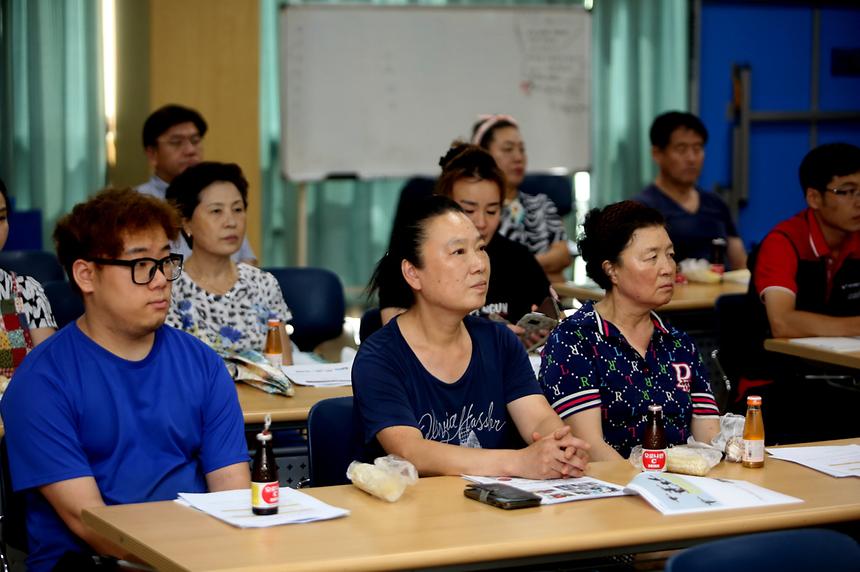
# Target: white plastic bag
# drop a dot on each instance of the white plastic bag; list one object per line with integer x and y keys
{"x": 386, "y": 478}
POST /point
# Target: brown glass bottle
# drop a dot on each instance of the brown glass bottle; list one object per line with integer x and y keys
{"x": 654, "y": 441}
{"x": 265, "y": 489}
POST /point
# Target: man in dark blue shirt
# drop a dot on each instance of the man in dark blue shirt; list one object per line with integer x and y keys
{"x": 694, "y": 217}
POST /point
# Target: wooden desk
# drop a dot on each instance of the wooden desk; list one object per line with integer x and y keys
{"x": 784, "y": 346}
{"x": 435, "y": 525}
{"x": 291, "y": 410}
{"x": 690, "y": 296}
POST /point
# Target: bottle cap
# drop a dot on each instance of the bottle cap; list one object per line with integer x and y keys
{"x": 655, "y": 408}
{"x": 264, "y": 435}
{"x": 273, "y": 322}
{"x": 753, "y": 400}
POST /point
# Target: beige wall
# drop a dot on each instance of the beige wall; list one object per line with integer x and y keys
{"x": 132, "y": 39}
{"x": 205, "y": 54}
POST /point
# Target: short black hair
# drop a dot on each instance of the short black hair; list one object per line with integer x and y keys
{"x": 666, "y": 124}
{"x": 166, "y": 117}
{"x": 607, "y": 232}
{"x": 184, "y": 190}
{"x": 407, "y": 236}
{"x": 820, "y": 165}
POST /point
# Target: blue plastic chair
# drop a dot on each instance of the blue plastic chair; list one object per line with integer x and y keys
{"x": 41, "y": 265}
{"x": 333, "y": 441}
{"x": 66, "y": 304}
{"x": 783, "y": 551}
{"x": 316, "y": 300}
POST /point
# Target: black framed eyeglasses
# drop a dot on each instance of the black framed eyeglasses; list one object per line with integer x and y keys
{"x": 143, "y": 269}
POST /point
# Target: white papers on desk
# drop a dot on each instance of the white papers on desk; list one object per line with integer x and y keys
{"x": 834, "y": 460}
{"x": 837, "y": 344}
{"x": 234, "y": 508}
{"x": 320, "y": 374}
{"x": 554, "y": 491}
{"x": 676, "y": 494}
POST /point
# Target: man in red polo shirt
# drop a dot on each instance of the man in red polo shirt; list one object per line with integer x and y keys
{"x": 807, "y": 272}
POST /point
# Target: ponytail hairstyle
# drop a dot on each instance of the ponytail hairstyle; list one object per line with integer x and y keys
{"x": 407, "y": 238}
{"x": 607, "y": 232}
{"x": 465, "y": 161}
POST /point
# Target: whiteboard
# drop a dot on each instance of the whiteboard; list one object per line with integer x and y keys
{"x": 382, "y": 91}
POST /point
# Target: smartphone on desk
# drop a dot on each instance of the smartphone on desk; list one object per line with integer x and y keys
{"x": 502, "y": 496}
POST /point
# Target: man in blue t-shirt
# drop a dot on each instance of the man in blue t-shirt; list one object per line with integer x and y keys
{"x": 694, "y": 218}
{"x": 116, "y": 407}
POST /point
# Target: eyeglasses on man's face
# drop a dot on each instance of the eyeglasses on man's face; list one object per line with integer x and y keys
{"x": 178, "y": 141}
{"x": 143, "y": 269}
{"x": 847, "y": 191}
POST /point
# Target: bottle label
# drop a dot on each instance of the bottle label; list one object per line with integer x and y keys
{"x": 275, "y": 359}
{"x": 753, "y": 451}
{"x": 718, "y": 268}
{"x": 654, "y": 460}
{"x": 265, "y": 495}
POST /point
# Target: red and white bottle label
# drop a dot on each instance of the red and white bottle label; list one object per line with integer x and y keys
{"x": 265, "y": 495}
{"x": 654, "y": 460}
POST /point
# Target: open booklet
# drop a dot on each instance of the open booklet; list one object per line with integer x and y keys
{"x": 667, "y": 492}
{"x": 554, "y": 491}
{"x": 681, "y": 494}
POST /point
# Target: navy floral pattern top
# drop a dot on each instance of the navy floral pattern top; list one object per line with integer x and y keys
{"x": 234, "y": 321}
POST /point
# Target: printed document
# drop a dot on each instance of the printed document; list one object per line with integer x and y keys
{"x": 834, "y": 344}
{"x": 320, "y": 374}
{"x": 834, "y": 460}
{"x": 234, "y": 507}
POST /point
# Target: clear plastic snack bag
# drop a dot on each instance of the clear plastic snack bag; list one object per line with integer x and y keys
{"x": 386, "y": 478}
{"x": 684, "y": 459}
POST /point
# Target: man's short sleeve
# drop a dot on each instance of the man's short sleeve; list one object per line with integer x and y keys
{"x": 36, "y": 411}
{"x": 776, "y": 264}
{"x": 223, "y": 424}
{"x": 566, "y": 374}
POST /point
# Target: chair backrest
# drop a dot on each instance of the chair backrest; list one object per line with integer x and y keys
{"x": 41, "y": 265}
{"x": 558, "y": 188}
{"x": 316, "y": 300}
{"x": 14, "y": 523}
{"x": 806, "y": 549}
{"x": 333, "y": 441}
{"x": 371, "y": 321}
{"x": 66, "y": 304}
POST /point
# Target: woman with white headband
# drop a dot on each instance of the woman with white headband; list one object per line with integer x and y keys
{"x": 532, "y": 220}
